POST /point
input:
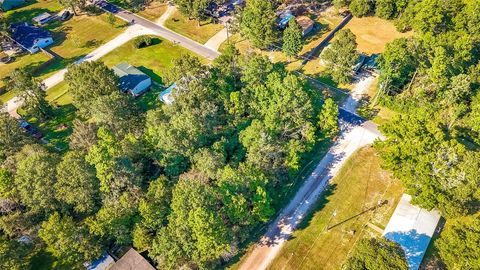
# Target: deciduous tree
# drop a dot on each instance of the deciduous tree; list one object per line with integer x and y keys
{"x": 87, "y": 82}
{"x": 35, "y": 176}
{"x": 360, "y": 8}
{"x": 69, "y": 241}
{"x": 458, "y": 243}
{"x": 12, "y": 137}
{"x": 376, "y": 253}
{"x": 258, "y": 23}
{"x": 292, "y": 39}
{"x": 328, "y": 118}
{"x": 76, "y": 184}
{"x": 341, "y": 56}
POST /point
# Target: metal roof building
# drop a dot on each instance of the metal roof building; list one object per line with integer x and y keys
{"x": 412, "y": 228}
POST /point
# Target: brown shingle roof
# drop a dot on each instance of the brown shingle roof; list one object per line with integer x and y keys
{"x": 132, "y": 260}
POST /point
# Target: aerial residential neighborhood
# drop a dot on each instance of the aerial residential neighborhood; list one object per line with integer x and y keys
{"x": 239, "y": 134}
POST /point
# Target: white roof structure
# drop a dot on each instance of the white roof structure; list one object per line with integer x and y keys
{"x": 166, "y": 96}
{"x": 412, "y": 228}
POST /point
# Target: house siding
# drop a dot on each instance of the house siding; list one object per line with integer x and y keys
{"x": 41, "y": 43}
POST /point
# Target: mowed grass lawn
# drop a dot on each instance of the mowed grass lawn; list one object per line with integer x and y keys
{"x": 153, "y": 11}
{"x": 154, "y": 60}
{"x": 189, "y": 28}
{"x": 374, "y": 33}
{"x": 73, "y": 38}
{"x": 360, "y": 184}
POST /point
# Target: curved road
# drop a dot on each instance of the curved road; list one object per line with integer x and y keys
{"x": 161, "y": 31}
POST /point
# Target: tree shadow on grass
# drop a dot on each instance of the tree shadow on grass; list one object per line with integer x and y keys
{"x": 44, "y": 260}
{"x": 155, "y": 77}
{"x": 58, "y": 128}
{"x": 26, "y": 15}
{"x": 322, "y": 200}
{"x": 318, "y": 29}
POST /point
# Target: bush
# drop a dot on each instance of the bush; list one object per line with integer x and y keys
{"x": 385, "y": 9}
{"x": 360, "y": 8}
{"x": 142, "y": 42}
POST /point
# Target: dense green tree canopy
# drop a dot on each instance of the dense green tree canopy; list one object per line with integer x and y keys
{"x": 68, "y": 241}
{"x": 376, "y": 253}
{"x": 35, "y": 176}
{"x": 76, "y": 183}
{"x": 341, "y": 56}
{"x": 360, "y": 8}
{"x": 14, "y": 255}
{"x": 292, "y": 39}
{"x": 87, "y": 82}
{"x": 188, "y": 183}
{"x": 12, "y": 137}
{"x": 258, "y": 23}
{"x": 458, "y": 243}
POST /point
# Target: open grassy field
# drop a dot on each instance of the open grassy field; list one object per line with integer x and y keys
{"x": 374, "y": 33}
{"x": 361, "y": 184}
{"x": 189, "y": 28}
{"x": 24, "y": 61}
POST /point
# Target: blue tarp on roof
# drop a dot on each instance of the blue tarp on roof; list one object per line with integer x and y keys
{"x": 284, "y": 21}
{"x": 165, "y": 95}
{"x": 26, "y": 35}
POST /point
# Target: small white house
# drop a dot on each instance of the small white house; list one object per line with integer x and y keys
{"x": 132, "y": 80}
{"x": 30, "y": 37}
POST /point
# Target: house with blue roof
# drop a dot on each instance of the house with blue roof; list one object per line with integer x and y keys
{"x": 132, "y": 80}
{"x": 10, "y": 4}
{"x": 30, "y": 37}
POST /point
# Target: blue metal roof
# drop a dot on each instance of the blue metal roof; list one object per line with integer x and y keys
{"x": 26, "y": 35}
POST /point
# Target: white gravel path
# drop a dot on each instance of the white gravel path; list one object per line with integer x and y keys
{"x": 217, "y": 40}
{"x": 165, "y": 16}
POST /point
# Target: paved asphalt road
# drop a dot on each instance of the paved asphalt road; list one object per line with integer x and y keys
{"x": 161, "y": 31}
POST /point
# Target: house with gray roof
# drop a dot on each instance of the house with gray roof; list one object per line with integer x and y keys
{"x": 132, "y": 80}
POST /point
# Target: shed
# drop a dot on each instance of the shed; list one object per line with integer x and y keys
{"x": 30, "y": 37}
{"x": 306, "y": 24}
{"x": 10, "y": 4}
{"x": 132, "y": 80}
{"x": 132, "y": 260}
{"x": 166, "y": 95}
{"x": 43, "y": 18}
{"x": 412, "y": 228}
